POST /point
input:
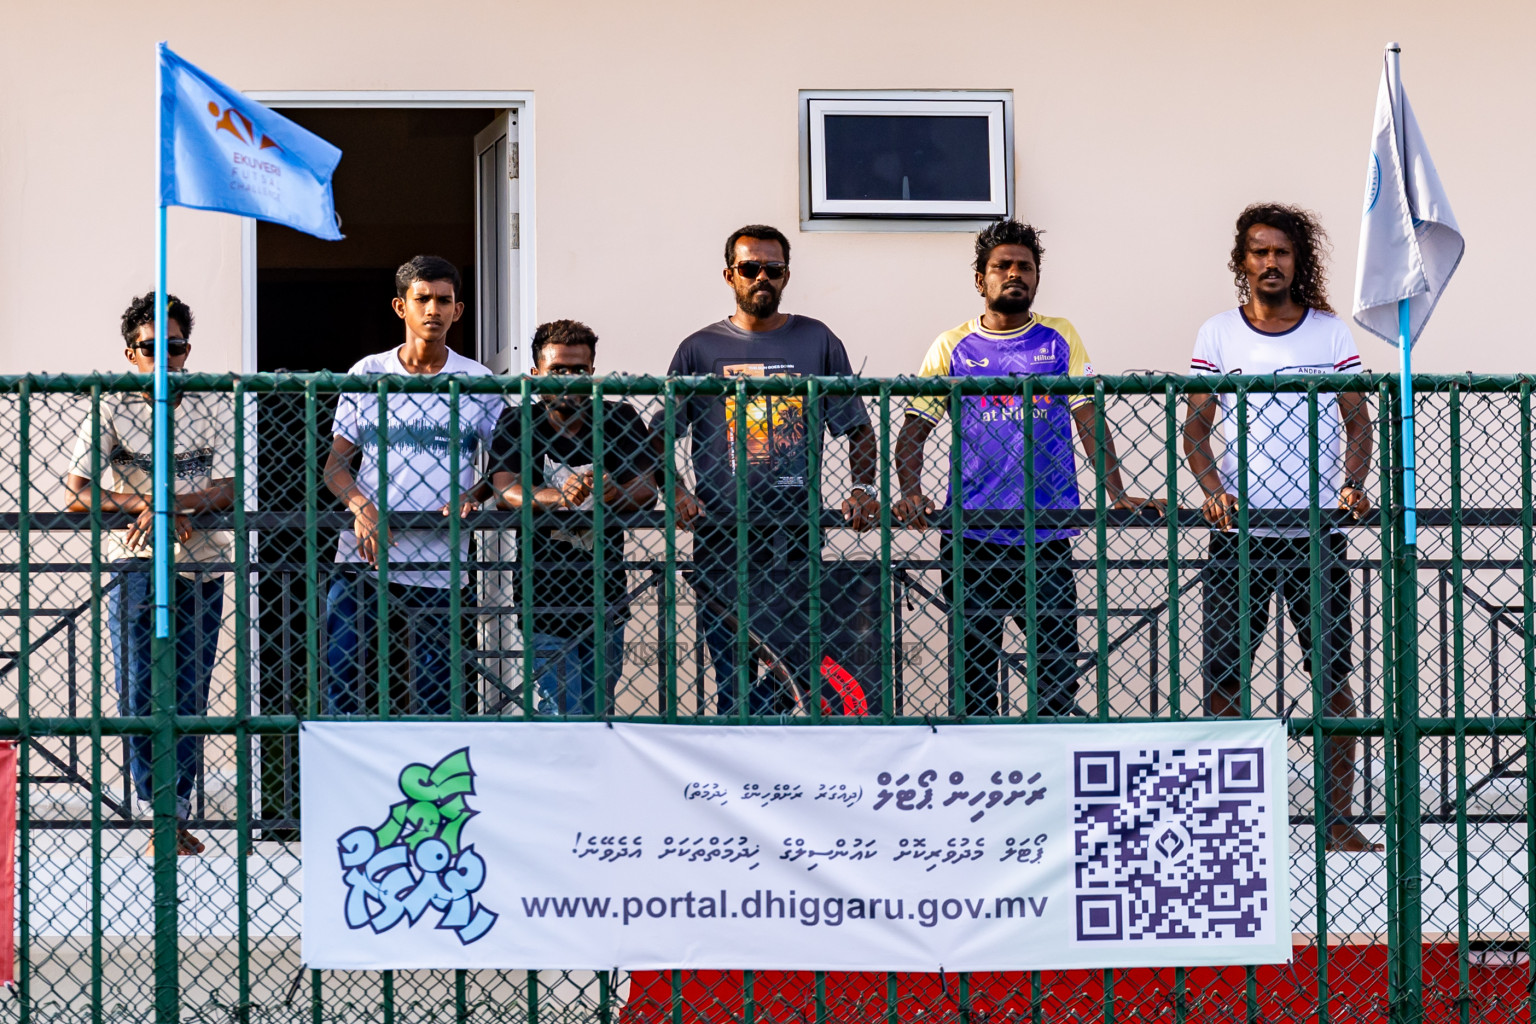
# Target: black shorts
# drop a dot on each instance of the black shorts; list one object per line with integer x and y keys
{"x": 1274, "y": 564}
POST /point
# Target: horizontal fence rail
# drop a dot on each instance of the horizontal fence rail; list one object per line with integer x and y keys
{"x": 967, "y": 551}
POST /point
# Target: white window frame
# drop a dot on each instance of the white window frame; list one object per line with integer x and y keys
{"x": 817, "y": 212}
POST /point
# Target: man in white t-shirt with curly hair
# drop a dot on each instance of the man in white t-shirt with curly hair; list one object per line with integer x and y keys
{"x": 1283, "y": 326}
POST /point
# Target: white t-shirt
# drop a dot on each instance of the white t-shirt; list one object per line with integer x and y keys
{"x": 417, "y": 465}
{"x": 1278, "y": 447}
{"x": 203, "y": 451}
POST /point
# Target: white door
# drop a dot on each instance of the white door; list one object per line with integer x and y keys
{"x": 498, "y": 264}
{"x": 498, "y": 345}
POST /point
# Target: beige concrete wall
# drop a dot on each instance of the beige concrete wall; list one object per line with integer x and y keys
{"x": 1141, "y": 130}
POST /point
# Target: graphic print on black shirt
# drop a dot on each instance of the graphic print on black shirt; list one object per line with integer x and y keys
{"x": 775, "y": 427}
{"x": 776, "y": 438}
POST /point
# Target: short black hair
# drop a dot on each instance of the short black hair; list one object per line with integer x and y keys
{"x": 1007, "y": 232}
{"x": 563, "y": 332}
{"x": 763, "y": 231}
{"x": 141, "y": 311}
{"x": 426, "y": 268}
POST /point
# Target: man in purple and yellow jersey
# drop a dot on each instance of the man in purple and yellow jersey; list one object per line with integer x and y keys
{"x": 1009, "y": 340}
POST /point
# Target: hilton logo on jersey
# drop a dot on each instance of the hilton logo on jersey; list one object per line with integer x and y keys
{"x": 1010, "y": 408}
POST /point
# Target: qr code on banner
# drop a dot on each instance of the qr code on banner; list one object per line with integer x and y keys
{"x": 1172, "y": 843}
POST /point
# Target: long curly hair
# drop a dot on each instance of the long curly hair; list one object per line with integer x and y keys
{"x": 1309, "y": 288}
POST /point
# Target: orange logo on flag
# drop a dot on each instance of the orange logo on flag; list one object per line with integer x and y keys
{"x": 238, "y": 125}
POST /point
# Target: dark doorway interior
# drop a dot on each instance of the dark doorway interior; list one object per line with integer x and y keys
{"x": 405, "y": 185}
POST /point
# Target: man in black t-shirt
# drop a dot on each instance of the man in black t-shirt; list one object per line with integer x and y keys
{"x": 759, "y": 341}
{"x": 565, "y": 479}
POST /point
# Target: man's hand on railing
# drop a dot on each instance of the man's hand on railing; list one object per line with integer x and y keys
{"x": 688, "y": 508}
{"x": 1355, "y": 501}
{"x": 1220, "y": 510}
{"x": 365, "y": 526}
{"x": 467, "y": 503}
{"x": 1136, "y": 503}
{"x": 861, "y": 509}
{"x": 141, "y": 533}
{"x": 912, "y": 511}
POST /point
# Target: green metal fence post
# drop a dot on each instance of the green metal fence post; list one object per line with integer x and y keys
{"x": 887, "y": 636}
{"x": 1411, "y": 949}
{"x": 1031, "y": 557}
{"x": 1171, "y": 478}
{"x": 24, "y": 706}
{"x": 1244, "y": 562}
{"x": 958, "y": 688}
{"x": 1528, "y": 627}
{"x": 745, "y": 665}
{"x": 382, "y": 538}
{"x": 1322, "y": 815}
{"x": 813, "y": 472}
{"x": 456, "y": 700}
{"x": 312, "y": 551}
{"x": 1387, "y": 402}
{"x": 241, "y": 591}
{"x": 525, "y": 541}
{"x": 669, "y": 531}
{"x": 1101, "y": 546}
{"x": 96, "y": 710}
{"x": 600, "y": 556}
{"x": 163, "y": 771}
{"x": 1458, "y": 671}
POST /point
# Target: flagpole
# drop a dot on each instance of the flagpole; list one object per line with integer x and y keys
{"x": 1404, "y": 327}
{"x": 162, "y": 418}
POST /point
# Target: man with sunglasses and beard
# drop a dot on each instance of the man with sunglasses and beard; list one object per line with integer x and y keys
{"x": 1010, "y": 340}
{"x": 758, "y": 340}
{"x": 1284, "y": 326}
{"x": 122, "y": 480}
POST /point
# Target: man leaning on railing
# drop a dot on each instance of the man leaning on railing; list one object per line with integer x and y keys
{"x": 1009, "y": 340}
{"x": 204, "y": 468}
{"x": 565, "y": 481}
{"x": 419, "y": 435}
{"x": 1284, "y": 326}
{"x": 758, "y": 340}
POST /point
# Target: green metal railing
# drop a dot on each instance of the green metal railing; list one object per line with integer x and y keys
{"x": 1444, "y": 676}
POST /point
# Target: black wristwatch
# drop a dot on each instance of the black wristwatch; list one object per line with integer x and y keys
{"x": 1353, "y": 484}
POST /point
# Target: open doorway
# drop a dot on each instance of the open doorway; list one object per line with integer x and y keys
{"x": 405, "y": 185}
{"x": 414, "y": 179}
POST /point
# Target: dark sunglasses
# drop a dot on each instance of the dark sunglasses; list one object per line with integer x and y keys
{"x": 749, "y": 269}
{"x": 175, "y": 347}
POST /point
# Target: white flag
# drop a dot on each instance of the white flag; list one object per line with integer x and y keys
{"x": 1409, "y": 242}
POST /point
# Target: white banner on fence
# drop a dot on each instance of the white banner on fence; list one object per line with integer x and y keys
{"x": 1006, "y": 847}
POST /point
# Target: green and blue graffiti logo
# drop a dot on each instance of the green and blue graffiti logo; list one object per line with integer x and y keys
{"x": 415, "y": 859}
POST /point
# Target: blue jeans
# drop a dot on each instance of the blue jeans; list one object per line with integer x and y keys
{"x": 565, "y": 671}
{"x": 198, "y": 610}
{"x": 351, "y": 608}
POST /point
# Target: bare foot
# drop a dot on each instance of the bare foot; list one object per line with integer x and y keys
{"x": 1345, "y": 838}
{"x": 187, "y": 845}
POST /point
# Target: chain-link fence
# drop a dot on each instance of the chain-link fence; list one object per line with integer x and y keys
{"x": 759, "y": 551}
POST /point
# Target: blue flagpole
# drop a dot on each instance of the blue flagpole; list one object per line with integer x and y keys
{"x": 1405, "y": 386}
{"x": 162, "y": 421}
{"x": 1404, "y": 325}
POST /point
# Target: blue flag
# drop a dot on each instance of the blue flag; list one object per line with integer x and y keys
{"x": 222, "y": 151}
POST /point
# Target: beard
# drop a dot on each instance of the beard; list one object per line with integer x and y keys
{"x": 1010, "y": 303}
{"x": 760, "y": 302}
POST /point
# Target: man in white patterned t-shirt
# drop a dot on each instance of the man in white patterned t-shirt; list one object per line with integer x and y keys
{"x": 118, "y": 465}
{"x": 418, "y": 435}
{"x": 1284, "y": 326}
